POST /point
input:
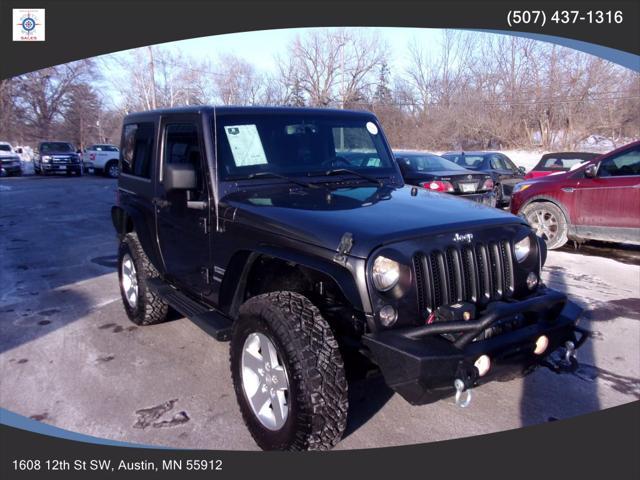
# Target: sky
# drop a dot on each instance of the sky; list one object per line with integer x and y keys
{"x": 260, "y": 47}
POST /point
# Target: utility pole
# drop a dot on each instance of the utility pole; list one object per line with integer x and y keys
{"x": 343, "y": 42}
{"x": 153, "y": 79}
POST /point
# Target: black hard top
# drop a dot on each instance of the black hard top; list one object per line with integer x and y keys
{"x": 234, "y": 110}
{"x": 408, "y": 153}
{"x": 472, "y": 152}
{"x": 580, "y": 155}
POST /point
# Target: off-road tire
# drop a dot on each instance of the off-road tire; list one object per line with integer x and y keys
{"x": 317, "y": 383}
{"x": 150, "y": 308}
{"x": 561, "y": 238}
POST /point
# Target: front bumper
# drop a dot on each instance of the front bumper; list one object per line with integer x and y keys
{"x": 422, "y": 366}
{"x": 11, "y": 169}
{"x": 57, "y": 167}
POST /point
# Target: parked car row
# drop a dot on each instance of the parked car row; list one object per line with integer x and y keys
{"x": 438, "y": 174}
{"x": 62, "y": 157}
{"x": 567, "y": 196}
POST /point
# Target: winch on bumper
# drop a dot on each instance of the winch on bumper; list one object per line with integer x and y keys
{"x": 423, "y": 366}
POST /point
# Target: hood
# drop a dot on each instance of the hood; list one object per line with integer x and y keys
{"x": 5, "y": 154}
{"x": 373, "y": 215}
{"x": 57, "y": 153}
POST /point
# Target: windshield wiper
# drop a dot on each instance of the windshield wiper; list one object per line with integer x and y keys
{"x": 334, "y": 171}
{"x": 284, "y": 177}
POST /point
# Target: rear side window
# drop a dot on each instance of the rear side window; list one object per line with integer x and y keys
{"x": 508, "y": 163}
{"x": 137, "y": 148}
{"x": 498, "y": 163}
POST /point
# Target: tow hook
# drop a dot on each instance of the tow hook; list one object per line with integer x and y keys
{"x": 459, "y": 385}
{"x": 570, "y": 354}
{"x": 567, "y": 363}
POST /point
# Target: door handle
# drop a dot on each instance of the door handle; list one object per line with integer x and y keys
{"x": 568, "y": 189}
{"x": 160, "y": 202}
{"x": 196, "y": 205}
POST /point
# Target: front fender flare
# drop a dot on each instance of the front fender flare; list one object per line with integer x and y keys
{"x": 232, "y": 289}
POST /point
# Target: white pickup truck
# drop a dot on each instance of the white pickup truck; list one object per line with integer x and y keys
{"x": 102, "y": 158}
{"x": 10, "y": 163}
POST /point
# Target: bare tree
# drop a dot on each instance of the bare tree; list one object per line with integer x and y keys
{"x": 333, "y": 66}
{"x": 44, "y": 95}
{"x": 236, "y": 81}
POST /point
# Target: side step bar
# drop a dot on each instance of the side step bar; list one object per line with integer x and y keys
{"x": 211, "y": 321}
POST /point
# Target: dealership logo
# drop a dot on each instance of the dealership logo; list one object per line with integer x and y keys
{"x": 28, "y": 24}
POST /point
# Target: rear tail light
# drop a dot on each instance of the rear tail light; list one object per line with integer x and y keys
{"x": 487, "y": 185}
{"x": 438, "y": 186}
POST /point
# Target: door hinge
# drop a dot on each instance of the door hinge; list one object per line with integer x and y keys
{"x": 206, "y": 275}
{"x": 203, "y": 222}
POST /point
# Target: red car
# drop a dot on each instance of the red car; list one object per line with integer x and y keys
{"x": 559, "y": 162}
{"x": 597, "y": 201}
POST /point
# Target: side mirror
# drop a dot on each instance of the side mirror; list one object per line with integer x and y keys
{"x": 522, "y": 170}
{"x": 590, "y": 171}
{"x": 181, "y": 176}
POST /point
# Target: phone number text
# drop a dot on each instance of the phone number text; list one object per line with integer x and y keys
{"x": 540, "y": 17}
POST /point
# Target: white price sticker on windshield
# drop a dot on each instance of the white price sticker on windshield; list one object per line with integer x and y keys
{"x": 246, "y": 145}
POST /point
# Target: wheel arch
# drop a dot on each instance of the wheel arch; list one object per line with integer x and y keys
{"x": 125, "y": 220}
{"x": 546, "y": 198}
{"x": 247, "y": 265}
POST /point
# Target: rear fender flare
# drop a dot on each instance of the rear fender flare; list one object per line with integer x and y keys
{"x": 127, "y": 219}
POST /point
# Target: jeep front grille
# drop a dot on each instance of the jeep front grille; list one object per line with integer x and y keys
{"x": 475, "y": 273}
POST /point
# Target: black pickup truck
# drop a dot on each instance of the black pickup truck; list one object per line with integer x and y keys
{"x": 291, "y": 233}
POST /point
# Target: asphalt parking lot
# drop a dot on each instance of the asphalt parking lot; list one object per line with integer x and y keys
{"x": 70, "y": 357}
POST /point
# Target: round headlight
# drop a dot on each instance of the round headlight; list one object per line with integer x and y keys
{"x": 522, "y": 249}
{"x": 386, "y": 273}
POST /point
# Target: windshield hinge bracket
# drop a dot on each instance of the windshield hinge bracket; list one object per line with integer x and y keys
{"x": 344, "y": 248}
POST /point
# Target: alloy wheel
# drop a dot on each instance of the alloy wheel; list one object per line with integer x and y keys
{"x": 265, "y": 381}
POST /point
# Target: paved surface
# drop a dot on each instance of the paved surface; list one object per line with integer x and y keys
{"x": 70, "y": 357}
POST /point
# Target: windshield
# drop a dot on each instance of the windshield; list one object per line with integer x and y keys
{"x": 5, "y": 148}
{"x": 56, "y": 147}
{"x": 554, "y": 163}
{"x": 426, "y": 162}
{"x": 466, "y": 161}
{"x": 299, "y": 145}
{"x": 103, "y": 148}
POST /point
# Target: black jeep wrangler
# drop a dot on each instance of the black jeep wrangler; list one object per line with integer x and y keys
{"x": 290, "y": 232}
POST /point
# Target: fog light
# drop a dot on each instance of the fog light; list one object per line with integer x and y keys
{"x": 541, "y": 345}
{"x": 483, "y": 363}
{"x": 532, "y": 280}
{"x": 388, "y": 315}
